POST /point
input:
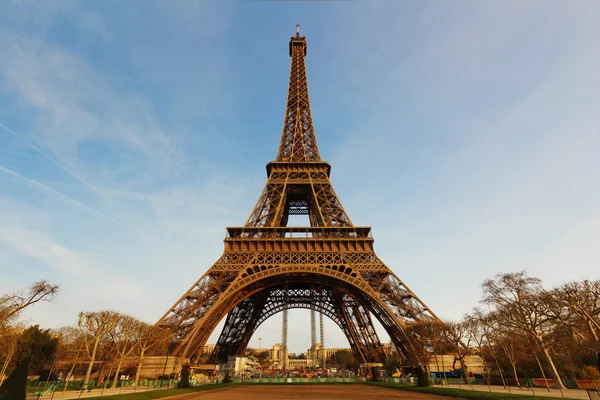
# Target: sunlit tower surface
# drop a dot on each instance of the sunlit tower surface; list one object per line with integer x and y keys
{"x": 268, "y": 267}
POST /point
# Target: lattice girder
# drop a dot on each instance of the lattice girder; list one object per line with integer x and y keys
{"x": 234, "y": 337}
{"x": 345, "y": 311}
{"x": 391, "y": 312}
{"x": 265, "y": 253}
{"x": 289, "y": 188}
{"x": 298, "y": 140}
{"x": 362, "y": 336}
{"x": 273, "y": 301}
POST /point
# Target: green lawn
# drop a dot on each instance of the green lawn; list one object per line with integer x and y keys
{"x": 462, "y": 394}
{"x": 295, "y": 383}
{"x": 159, "y": 394}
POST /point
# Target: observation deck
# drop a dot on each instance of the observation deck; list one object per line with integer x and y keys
{"x": 299, "y": 239}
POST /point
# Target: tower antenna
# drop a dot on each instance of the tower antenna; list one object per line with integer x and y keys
{"x": 297, "y": 29}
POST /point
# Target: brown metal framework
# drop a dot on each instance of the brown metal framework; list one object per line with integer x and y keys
{"x": 267, "y": 266}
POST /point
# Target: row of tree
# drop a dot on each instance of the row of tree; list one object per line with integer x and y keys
{"x": 104, "y": 338}
{"x": 522, "y": 329}
{"x": 114, "y": 337}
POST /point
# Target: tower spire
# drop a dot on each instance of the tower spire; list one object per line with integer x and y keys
{"x": 298, "y": 141}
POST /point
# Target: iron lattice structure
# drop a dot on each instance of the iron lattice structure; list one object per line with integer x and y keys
{"x": 329, "y": 266}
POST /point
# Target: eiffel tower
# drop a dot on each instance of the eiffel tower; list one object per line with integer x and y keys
{"x": 268, "y": 267}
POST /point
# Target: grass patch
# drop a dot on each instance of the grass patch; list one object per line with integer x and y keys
{"x": 461, "y": 393}
{"x": 296, "y": 383}
{"x": 32, "y": 388}
{"x": 159, "y": 394}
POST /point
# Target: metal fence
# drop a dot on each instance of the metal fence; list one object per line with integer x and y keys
{"x": 41, "y": 386}
{"x": 322, "y": 380}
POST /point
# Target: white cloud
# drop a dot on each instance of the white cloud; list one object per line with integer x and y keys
{"x": 28, "y": 232}
{"x": 74, "y": 104}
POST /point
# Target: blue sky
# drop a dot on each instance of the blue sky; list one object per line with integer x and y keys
{"x": 131, "y": 133}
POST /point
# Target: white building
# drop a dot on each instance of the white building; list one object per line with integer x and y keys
{"x": 326, "y": 353}
{"x": 237, "y": 366}
{"x": 208, "y": 348}
{"x": 301, "y": 363}
{"x": 275, "y": 352}
{"x": 448, "y": 363}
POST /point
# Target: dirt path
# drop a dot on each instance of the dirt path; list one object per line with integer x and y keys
{"x": 310, "y": 392}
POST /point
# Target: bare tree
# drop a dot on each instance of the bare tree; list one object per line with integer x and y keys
{"x": 442, "y": 342}
{"x": 8, "y": 346}
{"x": 506, "y": 340}
{"x": 12, "y": 304}
{"x": 462, "y": 339}
{"x": 125, "y": 335}
{"x": 424, "y": 337}
{"x": 479, "y": 332}
{"x": 149, "y": 337}
{"x": 582, "y": 303}
{"x": 520, "y": 303}
{"x": 72, "y": 345}
{"x": 95, "y": 327}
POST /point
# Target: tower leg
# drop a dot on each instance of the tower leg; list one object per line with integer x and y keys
{"x": 239, "y": 327}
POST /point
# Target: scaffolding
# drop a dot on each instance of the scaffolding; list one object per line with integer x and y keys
{"x": 313, "y": 328}
{"x": 322, "y": 340}
{"x": 284, "y": 333}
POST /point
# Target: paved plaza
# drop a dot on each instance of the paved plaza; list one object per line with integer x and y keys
{"x": 280, "y": 392}
{"x": 309, "y": 392}
{"x": 318, "y": 392}
{"x": 538, "y": 391}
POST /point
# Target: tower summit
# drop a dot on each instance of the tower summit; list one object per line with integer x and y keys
{"x": 298, "y": 141}
{"x": 268, "y": 267}
{"x": 306, "y": 191}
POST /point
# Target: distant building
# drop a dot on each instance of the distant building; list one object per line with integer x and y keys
{"x": 254, "y": 351}
{"x": 388, "y": 349}
{"x": 275, "y": 352}
{"x": 208, "y": 348}
{"x": 238, "y": 366}
{"x": 448, "y": 363}
{"x": 324, "y": 353}
{"x": 301, "y": 363}
{"x": 331, "y": 351}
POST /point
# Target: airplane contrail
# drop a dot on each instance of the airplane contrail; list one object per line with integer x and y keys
{"x": 62, "y": 196}
{"x": 46, "y": 155}
{"x": 101, "y": 193}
